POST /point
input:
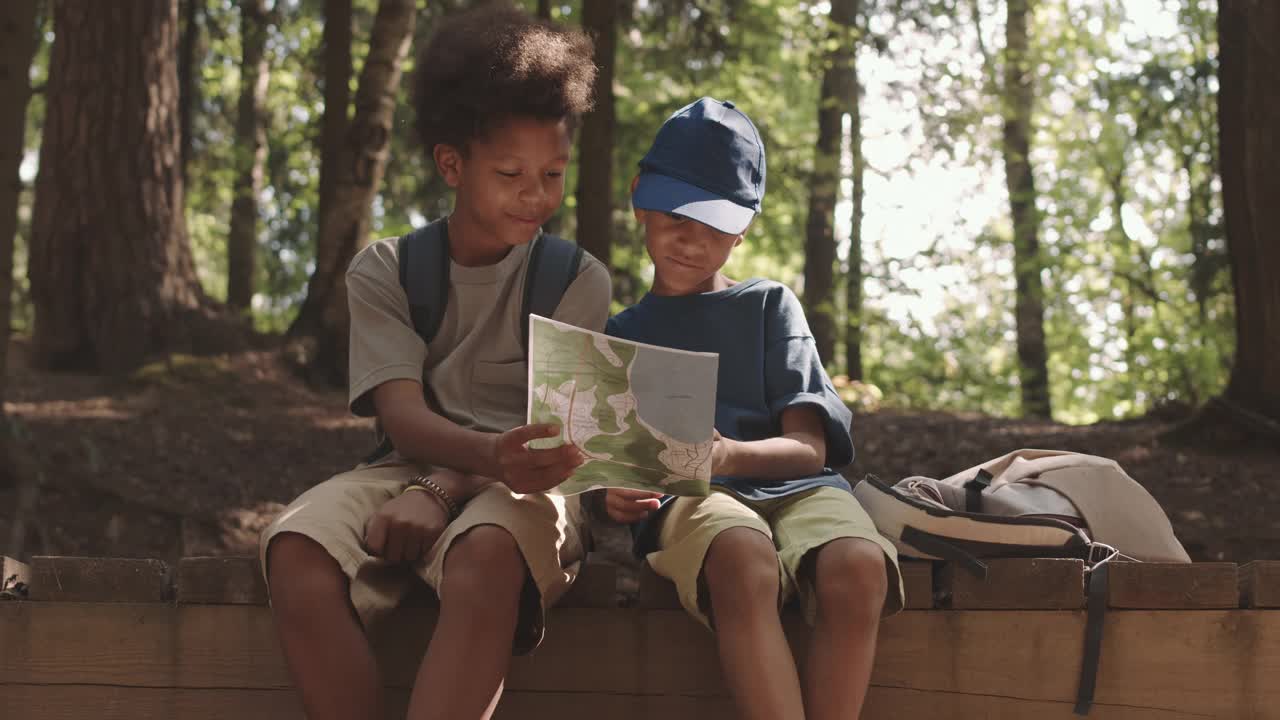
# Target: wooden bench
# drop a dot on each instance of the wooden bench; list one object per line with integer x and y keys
{"x": 116, "y": 638}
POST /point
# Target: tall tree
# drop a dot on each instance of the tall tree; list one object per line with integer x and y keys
{"x": 17, "y": 47}
{"x": 1249, "y": 113}
{"x": 112, "y": 277}
{"x": 188, "y": 87}
{"x": 359, "y": 170}
{"x": 853, "y": 277}
{"x": 595, "y": 158}
{"x": 839, "y": 86}
{"x": 333, "y": 133}
{"x": 1019, "y": 97}
{"x": 250, "y": 153}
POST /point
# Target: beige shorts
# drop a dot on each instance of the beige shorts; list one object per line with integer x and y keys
{"x": 550, "y": 531}
{"x": 796, "y": 523}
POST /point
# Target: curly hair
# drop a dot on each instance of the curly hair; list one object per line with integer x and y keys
{"x": 485, "y": 65}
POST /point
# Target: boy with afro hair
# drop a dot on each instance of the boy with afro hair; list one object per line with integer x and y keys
{"x": 458, "y": 499}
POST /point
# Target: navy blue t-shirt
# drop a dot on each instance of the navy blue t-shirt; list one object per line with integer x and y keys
{"x": 768, "y": 363}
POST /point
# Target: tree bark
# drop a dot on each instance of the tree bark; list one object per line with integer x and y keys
{"x": 853, "y": 279}
{"x": 838, "y": 88}
{"x": 112, "y": 278}
{"x": 250, "y": 153}
{"x": 595, "y": 160}
{"x": 358, "y": 174}
{"x": 188, "y": 87}
{"x": 17, "y": 47}
{"x": 333, "y": 133}
{"x": 1019, "y": 96}
{"x": 1249, "y": 112}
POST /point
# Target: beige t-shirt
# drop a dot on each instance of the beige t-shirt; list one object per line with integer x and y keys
{"x": 474, "y": 369}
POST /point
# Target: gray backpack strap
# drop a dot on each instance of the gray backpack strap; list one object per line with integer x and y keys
{"x": 553, "y": 265}
{"x": 424, "y": 274}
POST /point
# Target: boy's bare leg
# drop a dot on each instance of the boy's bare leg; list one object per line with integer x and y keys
{"x": 324, "y": 646}
{"x": 462, "y": 672}
{"x": 849, "y": 576}
{"x": 741, "y": 571}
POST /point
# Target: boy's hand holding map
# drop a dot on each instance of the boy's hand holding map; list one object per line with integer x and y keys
{"x": 642, "y": 415}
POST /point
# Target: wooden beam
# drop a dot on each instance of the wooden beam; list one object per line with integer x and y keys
{"x": 1211, "y": 662}
{"x": 917, "y": 580}
{"x": 1015, "y": 584}
{"x": 221, "y": 581}
{"x": 1189, "y": 586}
{"x": 1260, "y": 584}
{"x": 83, "y": 579}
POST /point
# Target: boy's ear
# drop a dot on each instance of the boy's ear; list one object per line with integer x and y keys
{"x": 448, "y": 163}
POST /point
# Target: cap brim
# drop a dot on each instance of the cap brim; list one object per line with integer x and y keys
{"x": 667, "y": 194}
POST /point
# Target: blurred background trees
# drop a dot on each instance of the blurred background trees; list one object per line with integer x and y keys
{"x": 1018, "y": 207}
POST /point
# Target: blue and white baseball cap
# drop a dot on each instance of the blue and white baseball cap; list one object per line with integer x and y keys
{"x": 706, "y": 163}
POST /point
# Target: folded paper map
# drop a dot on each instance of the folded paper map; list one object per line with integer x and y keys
{"x": 643, "y": 415}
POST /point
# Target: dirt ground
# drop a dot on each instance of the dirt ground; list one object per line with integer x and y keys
{"x": 197, "y": 457}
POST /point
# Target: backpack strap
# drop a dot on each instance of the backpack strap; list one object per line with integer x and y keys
{"x": 424, "y": 274}
{"x": 973, "y": 491}
{"x": 423, "y": 256}
{"x": 553, "y": 266}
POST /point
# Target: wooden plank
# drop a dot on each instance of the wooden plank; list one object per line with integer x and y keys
{"x": 656, "y": 592}
{"x": 1260, "y": 584}
{"x": 70, "y": 702}
{"x": 1189, "y": 586}
{"x": 1208, "y": 661}
{"x": 82, "y": 579}
{"x": 917, "y": 581}
{"x": 596, "y": 587}
{"x": 221, "y": 581}
{"x": 1015, "y": 584}
{"x": 15, "y": 579}
{"x": 236, "y": 646}
{"x": 1212, "y": 662}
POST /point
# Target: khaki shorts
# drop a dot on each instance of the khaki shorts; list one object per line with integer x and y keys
{"x": 796, "y": 523}
{"x": 550, "y": 531}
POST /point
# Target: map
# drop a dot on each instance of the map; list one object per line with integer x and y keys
{"x": 643, "y": 415}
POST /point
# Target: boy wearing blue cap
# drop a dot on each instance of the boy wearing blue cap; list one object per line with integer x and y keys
{"x": 779, "y": 521}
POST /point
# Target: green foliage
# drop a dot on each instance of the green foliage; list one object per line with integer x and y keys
{"x": 1138, "y": 299}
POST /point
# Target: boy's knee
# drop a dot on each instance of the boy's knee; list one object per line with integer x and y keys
{"x": 300, "y": 573}
{"x": 742, "y": 565}
{"x": 850, "y": 576}
{"x": 483, "y": 565}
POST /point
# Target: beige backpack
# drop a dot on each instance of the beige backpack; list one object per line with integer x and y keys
{"x": 1030, "y": 503}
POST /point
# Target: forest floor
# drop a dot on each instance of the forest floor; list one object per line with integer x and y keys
{"x": 197, "y": 457}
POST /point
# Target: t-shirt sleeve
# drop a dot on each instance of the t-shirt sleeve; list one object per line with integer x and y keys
{"x": 384, "y": 346}
{"x": 586, "y": 302}
{"x": 794, "y": 375}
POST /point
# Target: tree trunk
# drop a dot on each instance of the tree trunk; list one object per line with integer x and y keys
{"x": 595, "y": 160}
{"x": 544, "y": 9}
{"x": 838, "y": 89}
{"x": 112, "y": 278}
{"x": 188, "y": 87}
{"x": 1249, "y": 112}
{"x": 358, "y": 174}
{"x": 1019, "y": 96}
{"x": 853, "y": 280}
{"x": 337, "y": 110}
{"x": 250, "y": 153}
{"x": 17, "y": 48}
